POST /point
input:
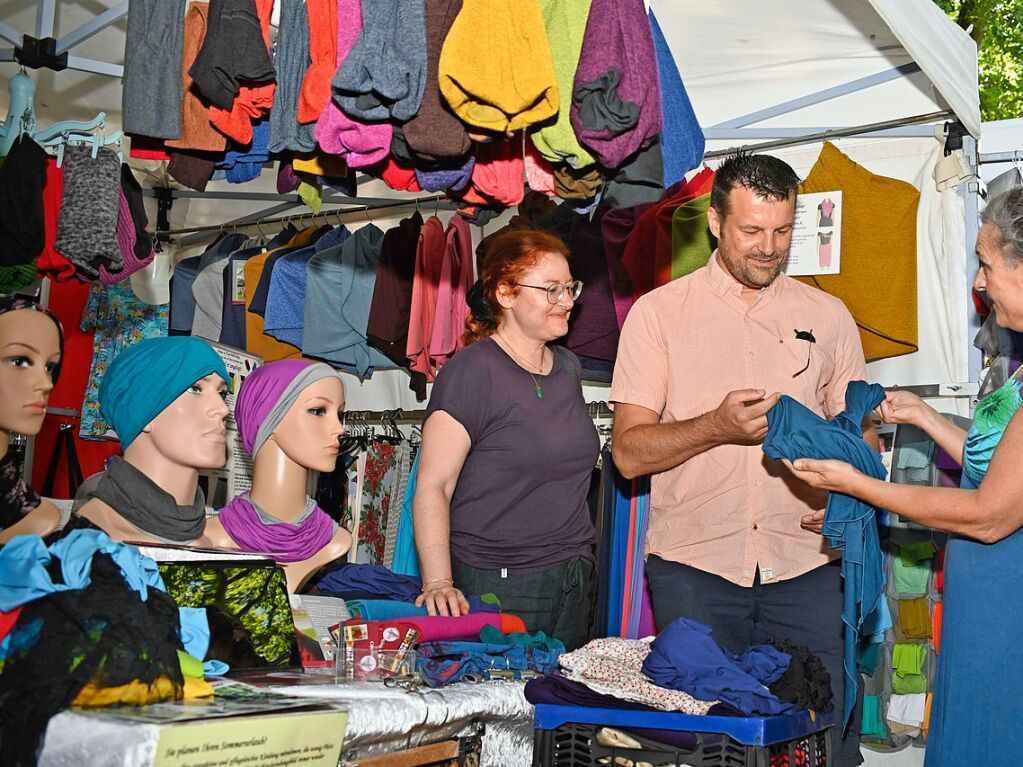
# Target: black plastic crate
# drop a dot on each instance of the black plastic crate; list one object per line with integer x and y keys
{"x": 796, "y": 741}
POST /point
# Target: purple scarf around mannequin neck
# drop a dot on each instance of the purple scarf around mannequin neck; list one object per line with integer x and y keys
{"x": 283, "y": 541}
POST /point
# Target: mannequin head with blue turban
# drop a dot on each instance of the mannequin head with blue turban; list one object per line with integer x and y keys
{"x": 167, "y": 394}
{"x": 166, "y": 400}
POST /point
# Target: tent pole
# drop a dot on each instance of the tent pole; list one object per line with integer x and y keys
{"x": 971, "y": 201}
{"x": 819, "y": 97}
{"x": 858, "y": 130}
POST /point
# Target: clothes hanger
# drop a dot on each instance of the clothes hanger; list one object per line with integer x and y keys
{"x": 21, "y": 120}
{"x": 95, "y": 140}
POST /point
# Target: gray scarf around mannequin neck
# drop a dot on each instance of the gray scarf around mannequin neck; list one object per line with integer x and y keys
{"x": 149, "y": 507}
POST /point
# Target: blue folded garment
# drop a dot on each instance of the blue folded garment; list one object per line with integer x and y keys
{"x": 685, "y": 657}
{"x": 850, "y": 525}
{"x": 389, "y": 609}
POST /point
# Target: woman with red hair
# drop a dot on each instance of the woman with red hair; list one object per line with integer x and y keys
{"x": 508, "y": 450}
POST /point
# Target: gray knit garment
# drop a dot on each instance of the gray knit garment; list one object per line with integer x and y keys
{"x": 291, "y": 63}
{"x": 151, "y": 84}
{"x": 87, "y": 227}
{"x": 384, "y": 76}
{"x": 208, "y": 292}
{"x": 435, "y": 134}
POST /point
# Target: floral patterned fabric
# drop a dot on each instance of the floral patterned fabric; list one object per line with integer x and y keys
{"x": 16, "y": 498}
{"x": 120, "y": 319}
{"x": 379, "y": 477}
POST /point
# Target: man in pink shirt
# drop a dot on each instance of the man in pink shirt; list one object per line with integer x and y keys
{"x": 700, "y": 362}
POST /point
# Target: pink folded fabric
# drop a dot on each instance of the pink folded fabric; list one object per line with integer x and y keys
{"x": 126, "y": 238}
{"x": 539, "y": 173}
{"x": 433, "y": 628}
{"x": 360, "y": 143}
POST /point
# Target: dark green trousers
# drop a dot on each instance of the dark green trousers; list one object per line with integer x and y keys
{"x": 558, "y": 601}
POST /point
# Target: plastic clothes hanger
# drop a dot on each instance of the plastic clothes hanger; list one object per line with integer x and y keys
{"x": 21, "y": 120}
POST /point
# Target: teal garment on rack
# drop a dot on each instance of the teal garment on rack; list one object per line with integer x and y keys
{"x": 406, "y": 560}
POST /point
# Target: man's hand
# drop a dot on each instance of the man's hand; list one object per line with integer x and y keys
{"x": 813, "y": 522}
{"x": 741, "y": 418}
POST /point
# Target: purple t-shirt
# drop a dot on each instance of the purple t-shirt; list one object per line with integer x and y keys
{"x": 520, "y": 501}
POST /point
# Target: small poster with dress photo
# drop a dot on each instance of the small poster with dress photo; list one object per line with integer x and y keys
{"x": 816, "y": 236}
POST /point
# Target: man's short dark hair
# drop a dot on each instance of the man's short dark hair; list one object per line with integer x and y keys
{"x": 766, "y": 176}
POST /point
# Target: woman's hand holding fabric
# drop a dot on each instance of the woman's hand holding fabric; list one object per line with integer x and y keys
{"x": 903, "y": 407}
{"x": 836, "y": 476}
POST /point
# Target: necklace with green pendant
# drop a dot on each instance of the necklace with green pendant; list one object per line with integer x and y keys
{"x": 537, "y": 389}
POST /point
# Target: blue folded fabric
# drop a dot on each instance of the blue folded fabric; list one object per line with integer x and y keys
{"x": 370, "y": 579}
{"x": 390, "y": 609}
{"x": 24, "y": 562}
{"x": 406, "y": 560}
{"x": 682, "y": 139}
{"x": 442, "y": 663}
{"x": 685, "y": 657}
{"x": 850, "y": 525}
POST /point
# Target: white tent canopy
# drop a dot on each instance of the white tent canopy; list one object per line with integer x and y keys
{"x": 744, "y": 58}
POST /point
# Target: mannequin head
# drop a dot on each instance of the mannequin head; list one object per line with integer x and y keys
{"x": 31, "y": 344}
{"x": 190, "y": 431}
{"x": 309, "y": 433}
{"x": 293, "y": 406}
{"x": 165, "y": 399}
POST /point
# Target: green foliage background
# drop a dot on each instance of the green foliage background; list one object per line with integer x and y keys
{"x": 998, "y": 30}
{"x": 255, "y": 597}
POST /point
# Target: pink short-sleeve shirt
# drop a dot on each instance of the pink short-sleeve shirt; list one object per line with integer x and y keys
{"x": 683, "y": 347}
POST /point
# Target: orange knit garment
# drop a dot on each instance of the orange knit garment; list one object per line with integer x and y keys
{"x": 196, "y": 131}
{"x": 323, "y": 55}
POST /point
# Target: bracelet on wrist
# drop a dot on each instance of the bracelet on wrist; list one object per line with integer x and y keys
{"x": 448, "y": 581}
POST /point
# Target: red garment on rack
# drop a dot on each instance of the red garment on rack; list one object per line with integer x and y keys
{"x": 647, "y": 257}
{"x": 51, "y": 263}
{"x": 253, "y": 101}
{"x": 425, "y": 284}
{"x": 323, "y": 54}
{"x": 147, "y": 148}
{"x": 67, "y": 299}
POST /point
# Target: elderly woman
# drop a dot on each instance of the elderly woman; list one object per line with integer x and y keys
{"x": 508, "y": 451}
{"x": 978, "y": 694}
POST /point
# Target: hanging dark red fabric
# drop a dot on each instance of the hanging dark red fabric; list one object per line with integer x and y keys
{"x": 67, "y": 299}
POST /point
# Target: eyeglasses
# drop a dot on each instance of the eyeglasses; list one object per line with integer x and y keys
{"x": 557, "y": 291}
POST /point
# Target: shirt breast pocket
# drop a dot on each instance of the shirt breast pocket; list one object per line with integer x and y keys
{"x": 812, "y": 367}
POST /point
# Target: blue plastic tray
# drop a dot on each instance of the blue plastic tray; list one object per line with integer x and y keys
{"x": 748, "y": 731}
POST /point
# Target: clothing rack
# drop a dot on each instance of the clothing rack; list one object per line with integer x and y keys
{"x": 401, "y": 417}
{"x": 858, "y": 130}
{"x": 358, "y": 206}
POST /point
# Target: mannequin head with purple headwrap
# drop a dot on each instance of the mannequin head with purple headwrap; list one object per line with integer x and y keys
{"x": 289, "y": 418}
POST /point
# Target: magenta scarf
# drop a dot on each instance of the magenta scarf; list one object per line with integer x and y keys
{"x": 282, "y": 541}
